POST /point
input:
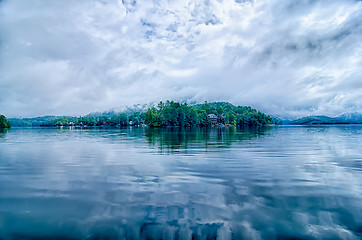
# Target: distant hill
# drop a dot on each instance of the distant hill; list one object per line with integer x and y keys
{"x": 319, "y": 120}
{"x": 31, "y": 122}
{"x": 351, "y": 118}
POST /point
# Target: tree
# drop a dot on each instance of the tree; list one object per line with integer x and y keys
{"x": 4, "y": 123}
{"x": 123, "y": 119}
{"x": 152, "y": 118}
{"x": 203, "y": 118}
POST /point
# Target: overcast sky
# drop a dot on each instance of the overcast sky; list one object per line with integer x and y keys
{"x": 286, "y": 58}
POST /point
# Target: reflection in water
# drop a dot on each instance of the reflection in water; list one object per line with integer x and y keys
{"x": 3, "y": 131}
{"x": 174, "y": 183}
{"x": 176, "y": 139}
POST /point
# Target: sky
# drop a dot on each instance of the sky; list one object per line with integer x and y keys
{"x": 285, "y": 58}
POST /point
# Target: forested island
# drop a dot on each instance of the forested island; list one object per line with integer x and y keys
{"x": 169, "y": 113}
{"x": 218, "y": 113}
{"x": 4, "y": 123}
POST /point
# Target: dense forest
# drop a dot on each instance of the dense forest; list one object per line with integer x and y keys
{"x": 167, "y": 113}
{"x": 4, "y": 123}
{"x": 121, "y": 119}
{"x": 31, "y": 122}
{"x": 218, "y": 113}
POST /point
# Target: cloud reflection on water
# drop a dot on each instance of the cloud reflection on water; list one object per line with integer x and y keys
{"x": 274, "y": 183}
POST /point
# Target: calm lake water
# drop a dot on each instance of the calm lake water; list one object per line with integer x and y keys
{"x": 173, "y": 183}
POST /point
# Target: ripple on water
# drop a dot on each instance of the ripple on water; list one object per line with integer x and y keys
{"x": 140, "y": 183}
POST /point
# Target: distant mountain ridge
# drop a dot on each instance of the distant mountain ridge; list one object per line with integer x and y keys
{"x": 351, "y": 117}
{"x": 346, "y": 118}
{"x": 31, "y": 122}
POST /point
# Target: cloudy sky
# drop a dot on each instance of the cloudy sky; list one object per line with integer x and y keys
{"x": 286, "y": 58}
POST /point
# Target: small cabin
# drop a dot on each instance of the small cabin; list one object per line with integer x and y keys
{"x": 213, "y": 118}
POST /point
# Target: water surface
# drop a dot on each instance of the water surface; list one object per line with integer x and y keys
{"x": 175, "y": 183}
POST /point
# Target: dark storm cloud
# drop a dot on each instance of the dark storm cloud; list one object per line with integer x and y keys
{"x": 287, "y": 58}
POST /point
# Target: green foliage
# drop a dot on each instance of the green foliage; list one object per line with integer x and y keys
{"x": 167, "y": 113}
{"x": 171, "y": 114}
{"x": 151, "y": 117}
{"x": 203, "y": 119}
{"x": 4, "y": 123}
{"x": 30, "y": 122}
{"x": 175, "y": 114}
{"x": 122, "y": 119}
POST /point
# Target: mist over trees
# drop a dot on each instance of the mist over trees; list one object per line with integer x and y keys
{"x": 169, "y": 113}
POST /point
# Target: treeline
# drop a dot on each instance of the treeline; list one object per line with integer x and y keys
{"x": 173, "y": 113}
{"x": 4, "y": 123}
{"x": 31, "y": 122}
{"x": 122, "y": 119}
{"x": 167, "y": 113}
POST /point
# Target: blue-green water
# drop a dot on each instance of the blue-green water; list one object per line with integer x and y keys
{"x": 173, "y": 183}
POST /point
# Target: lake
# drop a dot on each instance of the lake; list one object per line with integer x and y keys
{"x": 283, "y": 182}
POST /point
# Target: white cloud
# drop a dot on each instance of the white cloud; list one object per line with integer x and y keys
{"x": 284, "y": 58}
